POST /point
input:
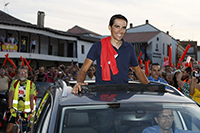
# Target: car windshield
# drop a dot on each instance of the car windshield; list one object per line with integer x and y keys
{"x": 130, "y": 117}
{"x": 41, "y": 87}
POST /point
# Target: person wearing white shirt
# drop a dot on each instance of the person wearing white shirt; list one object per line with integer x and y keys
{"x": 33, "y": 43}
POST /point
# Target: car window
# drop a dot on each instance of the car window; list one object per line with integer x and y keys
{"x": 42, "y": 112}
{"x": 129, "y": 117}
{"x": 41, "y": 88}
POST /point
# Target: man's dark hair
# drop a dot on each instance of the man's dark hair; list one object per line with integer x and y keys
{"x": 154, "y": 64}
{"x": 188, "y": 70}
{"x": 117, "y": 16}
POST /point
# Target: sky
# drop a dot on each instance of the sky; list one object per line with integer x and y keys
{"x": 179, "y": 17}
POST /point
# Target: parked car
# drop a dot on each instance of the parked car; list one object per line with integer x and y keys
{"x": 128, "y": 108}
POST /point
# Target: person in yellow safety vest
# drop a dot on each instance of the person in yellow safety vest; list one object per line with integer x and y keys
{"x": 195, "y": 90}
{"x": 21, "y": 98}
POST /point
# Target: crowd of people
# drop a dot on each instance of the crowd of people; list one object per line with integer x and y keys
{"x": 183, "y": 79}
{"x": 186, "y": 79}
{"x": 14, "y": 40}
{"x": 42, "y": 74}
{"x": 9, "y": 39}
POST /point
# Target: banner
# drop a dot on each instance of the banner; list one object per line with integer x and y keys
{"x": 9, "y": 47}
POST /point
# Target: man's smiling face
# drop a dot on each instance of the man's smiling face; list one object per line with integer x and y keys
{"x": 118, "y": 29}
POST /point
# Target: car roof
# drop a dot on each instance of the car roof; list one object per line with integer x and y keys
{"x": 136, "y": 98}
{"x": 134, "y": 93}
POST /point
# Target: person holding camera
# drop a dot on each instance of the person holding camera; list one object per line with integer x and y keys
{"x": 182, "y": 79}
{"x": 61, "y": 74}
{"x": 196, "y": 68}
{"x": 195, "y": 87}
{"x": 51, "y": 76}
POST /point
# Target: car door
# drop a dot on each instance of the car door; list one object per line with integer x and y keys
{"x": 41, "y": 120}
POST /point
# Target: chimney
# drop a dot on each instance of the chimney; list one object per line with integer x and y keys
{"x": 131, "y": 25}
{"x": 167, "y": 32}
{"x": 147, "y": 21}
{"x": 40, "y": 20}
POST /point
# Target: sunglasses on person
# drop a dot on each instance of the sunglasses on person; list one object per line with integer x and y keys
{"x": 22, "y": 72}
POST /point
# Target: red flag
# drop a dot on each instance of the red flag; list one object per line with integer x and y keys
{"x": 182, "y": 57}
{"x": 140, "y": 63}
{"x": 22, "y": 61}
{"x": 165, "y": 59}
{"x": 178, "y": 65}
{"x": 185, "y": 52}
{"x": 140, "y": 56}
{"x": 147, "y": 67}
{"x": 4, "y": 63}
{"x": 170, "y": 56}
{"x": 29, "y": 68}
{"x": 12, "y": 63}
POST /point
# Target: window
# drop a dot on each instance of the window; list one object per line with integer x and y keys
{"x": 163, "y": 48}
{"x": 82, "y": 49}
{"x": 157, "y": 38}
{"x": 191, "y": 50}
{"x": 168, "y": 50}
{"x": 156, "y": 48}
{"x": 61, "y": 47}
{"x": 70, "y": 49}
{"x": 135, "y": 117}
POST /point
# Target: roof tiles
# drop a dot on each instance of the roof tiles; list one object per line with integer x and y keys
{"x": 140, "y": 37}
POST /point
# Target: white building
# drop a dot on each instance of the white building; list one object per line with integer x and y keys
{"x": 198, "y": 53}
{"x": 154, "y": 42}
{"x": 53, "y": 47}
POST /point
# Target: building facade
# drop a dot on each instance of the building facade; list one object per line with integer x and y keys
{"x": 52, "y": 47}
{"x": 155, "y": 42}
{"x": 192, "y": 52}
